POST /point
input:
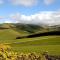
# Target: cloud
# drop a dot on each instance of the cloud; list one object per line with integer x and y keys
{"x": 1, "y": 17}
{"x": 49, "y": 18}
{"x": 7, "y": 21}
{"x": 20, "y": 18}
{"x": 1, "y": 1}
{"x": 26, "y": 3}
{"x": 48, "y": 2}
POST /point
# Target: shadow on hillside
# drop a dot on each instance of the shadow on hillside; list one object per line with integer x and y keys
{"x": 44, "y": 34}
{"x": 3, "y": 28}
{"x": 41, "y": 34}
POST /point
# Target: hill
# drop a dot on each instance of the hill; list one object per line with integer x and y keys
{"x": 9, "y": 32}
{"x": 38, "y": 45}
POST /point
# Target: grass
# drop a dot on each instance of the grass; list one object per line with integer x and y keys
{"x": 26, "y": 45}
{"x": 52, "y": 49}
{"x": 8, "y": 34}
{"x": 38, "y": 45}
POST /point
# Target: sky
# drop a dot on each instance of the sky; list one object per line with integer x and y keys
{"x": 30, "y": 11}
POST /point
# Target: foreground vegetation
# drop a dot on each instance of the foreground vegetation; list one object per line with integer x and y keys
{"x": 6, "y": 53}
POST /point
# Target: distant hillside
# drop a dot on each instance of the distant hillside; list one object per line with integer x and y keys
{"x": 30, "y": 28}
{"x": 11, "y": 31}
{"x": 17, "y": 29}
{"x": 6, "y": 25}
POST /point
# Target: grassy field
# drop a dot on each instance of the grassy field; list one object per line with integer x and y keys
{"x": 39, "y": 45}
{"x": 26, "y": 45}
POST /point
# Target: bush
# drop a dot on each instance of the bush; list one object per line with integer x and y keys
{"x": 7, "y": 54}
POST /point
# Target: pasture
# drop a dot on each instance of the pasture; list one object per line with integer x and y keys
{"x": 26, "y": 45}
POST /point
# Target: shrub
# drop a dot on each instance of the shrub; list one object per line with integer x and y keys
{"x": 7, "y": 54}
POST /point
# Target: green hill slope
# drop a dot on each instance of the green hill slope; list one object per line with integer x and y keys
{"x": 39, "y": 45}
{"x": 23, "y": 29}
{"x": 29, "y": 28}
{"x": 8, "y": 34}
